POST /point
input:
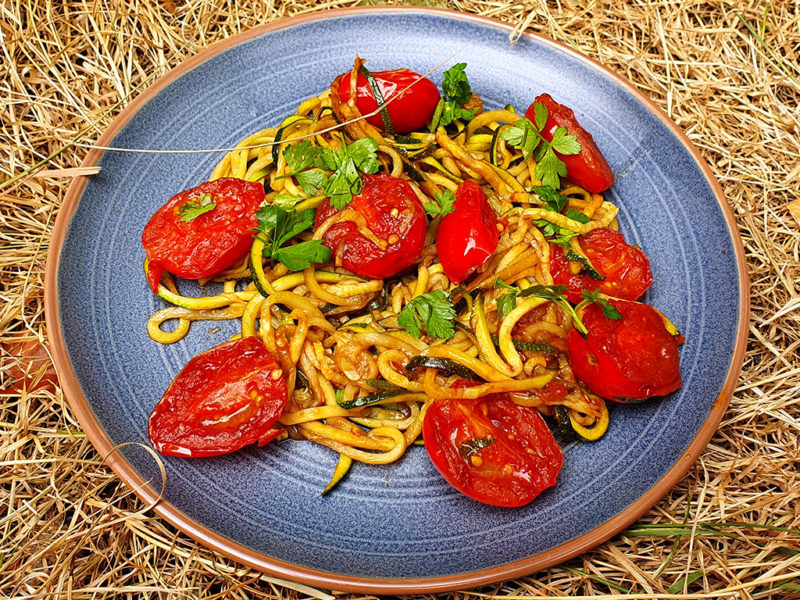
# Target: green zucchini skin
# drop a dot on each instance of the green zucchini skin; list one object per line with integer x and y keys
{"x": 371, "y": 399}
{"x": 445, "y": 365}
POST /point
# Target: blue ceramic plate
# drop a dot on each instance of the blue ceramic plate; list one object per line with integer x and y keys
{"x": 398, "y": 527}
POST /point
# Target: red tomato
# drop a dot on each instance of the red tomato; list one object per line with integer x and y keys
{"x": 410, "y": 112}
{"x": 468, "y": 236}
{"x": 588, "y": 168}
{"x": 34, "y": 369}
{"x": 491, "y": 449}
{"x": 209, "y": 243}
{"x": 626, "y": 268}
{"x": 222, "y": 400}
{"x": 631, "y": 358}
{"x": 392, "y": 211}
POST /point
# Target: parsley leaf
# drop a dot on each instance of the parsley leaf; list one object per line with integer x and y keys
{"x": 311, "y": 181}
{"x": 301, "y": 155}
{"x": 563, "y": 143}
{"x": 609, "y": 310}
{"x": 286, "y": 200}
{"x": 443, "y": 204}
{"x": 527, "y": 136}
{"x": 577, "y": 215}
{"x": 506, "y": 303}
{"x": 457, "y": 91}
{"x": 195, "y": 207}
{"x": 523, "y": 135}
{"x": 550, "y": 168}
{"x": 431, "y": 310}
{"x": 452, "y": 111}
{"x": 456, "y": 85}
{"x": 300, "y": 256}
{"x": 345, "y": 163}
{"x": 278, "y": 226}
{"x": 554, "y": 293}
{"x": 554, "y": 200}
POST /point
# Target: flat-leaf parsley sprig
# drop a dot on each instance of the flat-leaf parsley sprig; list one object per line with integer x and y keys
{"x": 457, "y": 92}
{"x": 195, "y": 207}
{"x": 555, "y": 293}
{"x": 527, "y": 136}
{"x": 344, "y": 164}
{"x": 431, "y": 311}
{"x": 276, "y": 226}
{"x": 442, "y": 204}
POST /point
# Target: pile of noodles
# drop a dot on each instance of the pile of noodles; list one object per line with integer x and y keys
{"x": 337, "y": 336}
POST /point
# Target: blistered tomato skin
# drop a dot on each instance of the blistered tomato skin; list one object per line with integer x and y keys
{"x": 626, "y": 268}
{"x": 224, "y": 399}
{"x": 588, "y": 169}
{"x": 209, "y": 243}
{"x": 410, "y": 112}
{"x": 491, "y": 449}
{"x": 393, "y": 213}
{"x": 628, "y": 359}
{"x": 468, "y": 236}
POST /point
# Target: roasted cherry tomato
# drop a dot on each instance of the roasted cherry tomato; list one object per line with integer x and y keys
{"x": 626, "y": 268}
{"x": 224, "y": 399}
{"x": 626, "y": 359}
{"x": 34, "y": 369}
{"x": 410, "y": 112}
{"x": 468, "y": 236}
{"x": 588, "y": 168}
{"x": 208, "y": 243}
{"x": 393, "y": 213}
{"x": 491, "y": 449}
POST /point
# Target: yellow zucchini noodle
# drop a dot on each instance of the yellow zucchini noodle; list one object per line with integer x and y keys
{"x": 337, "y": 336}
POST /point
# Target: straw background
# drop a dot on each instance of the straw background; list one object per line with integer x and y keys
{"x": 725, "y": 70}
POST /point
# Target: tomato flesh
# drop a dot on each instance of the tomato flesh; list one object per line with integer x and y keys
{"x": 468, "y": 236}
{"x": 626, "y": 268}
{"x": 410, "y": 112}
{"x": 393, "y": 213}
{"x": 209, "y": 243}
{"x": 589, "y": 168}
{"x": 491, "y": 449}
{"x": 223, "y": 399}
{"x": 632, "y": 358}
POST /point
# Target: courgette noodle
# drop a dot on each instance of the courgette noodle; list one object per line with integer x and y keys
{"x": 359, "y": 383}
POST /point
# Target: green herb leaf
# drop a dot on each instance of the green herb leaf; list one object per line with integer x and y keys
{"x": 469, "y": 447}
{"x": 311, "y": 181}
{"x": 540, "y": 115}
{"x": 278, "y": 226}
{"x": 609, "y": 310}
{"x": 506, "y": 303}
{"x": 345, "y": 182}
{"x": 587, "y": 267}
{"x": 196, "y": 207}
{"x": 456, "y": 84}
{"x": 443, "y": 204}
{"x": 563, "y": 143}
{"x": 555, "y": 293}
{"x": 523, "y": 135}
{"x": 451, "y": 111}
{"x": 577, "y": 215}
{"x": 554, "y": 200}
{"x": 301, "y": 155}
{"x": 499, "y": 284}
{"x": 550, "y": 168}
{"x": 286, "y": 200}
{"x": 433, "y": 311}
{"x": 300, "y": 256}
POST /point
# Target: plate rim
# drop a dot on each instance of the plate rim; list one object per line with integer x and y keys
{"x": 296, "y": 573}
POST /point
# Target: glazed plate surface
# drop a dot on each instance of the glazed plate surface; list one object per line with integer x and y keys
{"x": 398, "y": 527}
